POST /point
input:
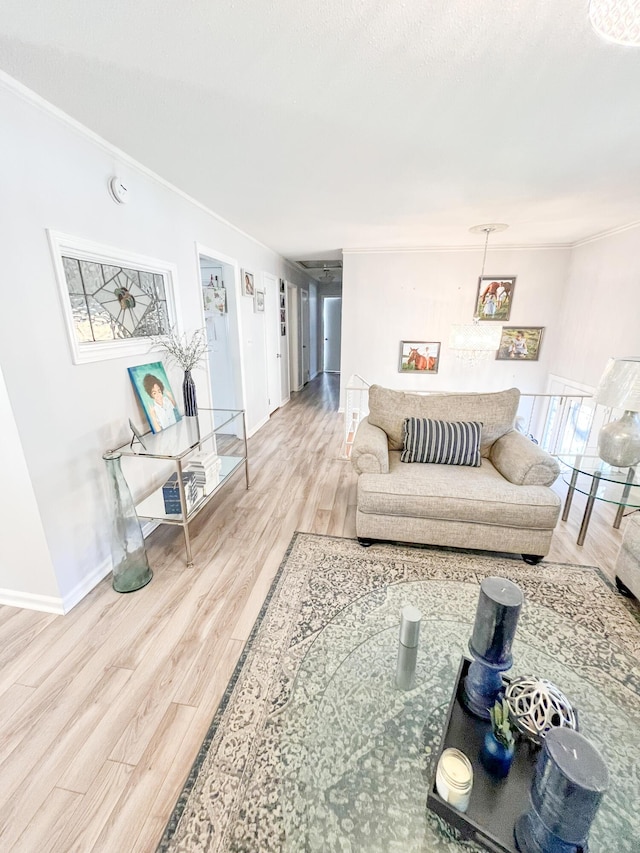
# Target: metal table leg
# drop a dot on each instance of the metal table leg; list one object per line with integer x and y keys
{"x": 595, "y": 482}
{"x": 185, "y": 523}
{"x": 246, "y": 450}
{"x": 572, "y": 488}
{"x": 625, "y": 494}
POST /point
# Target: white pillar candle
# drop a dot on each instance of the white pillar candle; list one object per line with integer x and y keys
{"x": 454, "y": 778}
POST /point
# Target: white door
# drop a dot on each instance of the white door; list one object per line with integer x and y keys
{"x": 332, "y": 323}
{"x": 272, "y": 340}
{"x": 285, "y": 387}
{"x": 293, "y": 333}
{"x": 305, "y": 328}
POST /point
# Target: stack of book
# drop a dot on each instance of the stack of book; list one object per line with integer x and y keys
{"x": 206, "y": 469}
{"x": 171, "y": 493}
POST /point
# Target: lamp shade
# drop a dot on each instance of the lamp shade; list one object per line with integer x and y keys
{"x": 619, "y": 387}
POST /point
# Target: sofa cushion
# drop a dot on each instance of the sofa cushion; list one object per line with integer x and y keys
{"x": 441, "y": 442}
{"x": 457, "y": 493}
{"x": 496, "y": 411}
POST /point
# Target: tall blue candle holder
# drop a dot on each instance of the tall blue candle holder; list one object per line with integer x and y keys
{"x": 571, "y": 778}
{"x": 499, "y": 606}
{"x": 483, "y": 684}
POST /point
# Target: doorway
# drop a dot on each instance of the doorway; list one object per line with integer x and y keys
{"x": 293, "y": 318}
{"x": 272, "y": 341}
{"x": 332, "y": 327}
{"x": 217, "y": 277}
{"x": 305, "y": 327}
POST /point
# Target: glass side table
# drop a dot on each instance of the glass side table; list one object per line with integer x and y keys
{"x": 600, "y": 481}
{"x": 221, "y": 432}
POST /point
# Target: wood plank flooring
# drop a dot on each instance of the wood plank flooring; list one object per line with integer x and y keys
{"x": 102, "y": 711}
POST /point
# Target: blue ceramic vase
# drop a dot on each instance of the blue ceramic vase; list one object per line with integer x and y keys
{"x": 495, "y": 757}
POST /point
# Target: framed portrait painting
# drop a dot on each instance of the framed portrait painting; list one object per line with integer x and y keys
{"x": 248, "y": 287}
{"x": 495, "y": 297}
{"x": 156, "y": 397}
{"x": 258, "y": 301}
{"x": 419, "y": 356}
{"x": 520, "y": 343}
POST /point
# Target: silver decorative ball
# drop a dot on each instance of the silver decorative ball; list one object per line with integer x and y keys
{"x": 536, "y": 705}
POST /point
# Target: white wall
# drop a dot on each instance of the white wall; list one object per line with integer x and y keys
{"x": 600, "y": 314}
{"x": 25, "y": 567}
{"x": 54, "y": 175}
{"x": 394, "y": 296}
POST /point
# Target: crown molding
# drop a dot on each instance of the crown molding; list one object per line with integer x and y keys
{"x": 604, "y": 234}
{"x": 464, "y": 248}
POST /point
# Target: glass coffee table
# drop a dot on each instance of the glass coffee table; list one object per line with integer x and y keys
{"x": 359, "y": 754}
{"x": 600, "y": 481}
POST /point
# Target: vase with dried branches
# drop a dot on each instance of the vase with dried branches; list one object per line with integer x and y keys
{"x": 187, "y": 352}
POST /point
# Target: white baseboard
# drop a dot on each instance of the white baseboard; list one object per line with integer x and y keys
{"x": 60, "y": 606}
{"x": 31, "y": 601}
{"x": 85, "y": 586}
{"x": 258, "y": 426}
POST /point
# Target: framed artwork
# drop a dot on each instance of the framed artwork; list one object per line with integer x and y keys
{"x": 495, "y": 297}
{"x": 215, "y": 299}
{"x": 248, "y": 288}
{"x": 520, "y": 343}
{"x": 282, "y": 285}
{"x": 258, "y": 301}
{"x": 113, "y": 301}
{"x": 283, "y": 316}
{"x": 283, "y": 303}
{"x": 419, "y": 356}
{"x": 283, "y": 329}
{"x": 154, "y": 392}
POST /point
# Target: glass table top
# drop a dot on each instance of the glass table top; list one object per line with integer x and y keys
{"x": 616, "y": 485}
{"x": 360, "y": 753}
{"x": 178, "y": 440}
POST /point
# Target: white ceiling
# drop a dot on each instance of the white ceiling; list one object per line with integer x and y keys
{"x": 316, "y": 126}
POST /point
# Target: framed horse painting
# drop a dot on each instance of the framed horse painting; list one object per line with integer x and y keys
{"x": 419, "y": 356}
{"x": 494, "y": 297}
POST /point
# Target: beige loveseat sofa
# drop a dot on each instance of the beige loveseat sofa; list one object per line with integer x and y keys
{"x": 628, "y": 561}
{"x": 505, "y": 504}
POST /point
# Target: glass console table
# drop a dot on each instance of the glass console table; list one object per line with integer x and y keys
{"x": 221, "y": 432}
{"x": 594, "y": 478}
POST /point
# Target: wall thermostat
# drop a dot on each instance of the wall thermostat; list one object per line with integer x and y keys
{"x": 118, "y": 189}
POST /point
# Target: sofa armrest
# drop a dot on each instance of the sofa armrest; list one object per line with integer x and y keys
{"x": 522, "y": 462}
{"x": 370, "y": 451}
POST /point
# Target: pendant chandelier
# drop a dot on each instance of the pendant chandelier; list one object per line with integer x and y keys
{"x": 327, "y": 275}
{"x": 616, "y": 20}
{"x": 472, "y": 342}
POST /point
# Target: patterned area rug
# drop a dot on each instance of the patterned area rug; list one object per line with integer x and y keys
{"x": 314, "y": 749}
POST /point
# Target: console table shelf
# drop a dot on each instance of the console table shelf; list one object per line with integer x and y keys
{"x": 220, "y": 431}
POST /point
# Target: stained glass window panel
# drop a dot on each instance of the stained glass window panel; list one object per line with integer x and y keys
{"x": 110, "y": 302}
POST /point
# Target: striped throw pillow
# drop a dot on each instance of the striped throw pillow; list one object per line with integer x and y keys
{"x": 443, "y": 442}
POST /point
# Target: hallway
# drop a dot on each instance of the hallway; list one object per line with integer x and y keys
{"x": 103, "y": 710}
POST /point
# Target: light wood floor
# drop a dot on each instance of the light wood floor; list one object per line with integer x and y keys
{"x": 102, "y": 711}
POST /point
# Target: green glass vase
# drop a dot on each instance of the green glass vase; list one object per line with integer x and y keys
{"x": 130, "y": 565}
